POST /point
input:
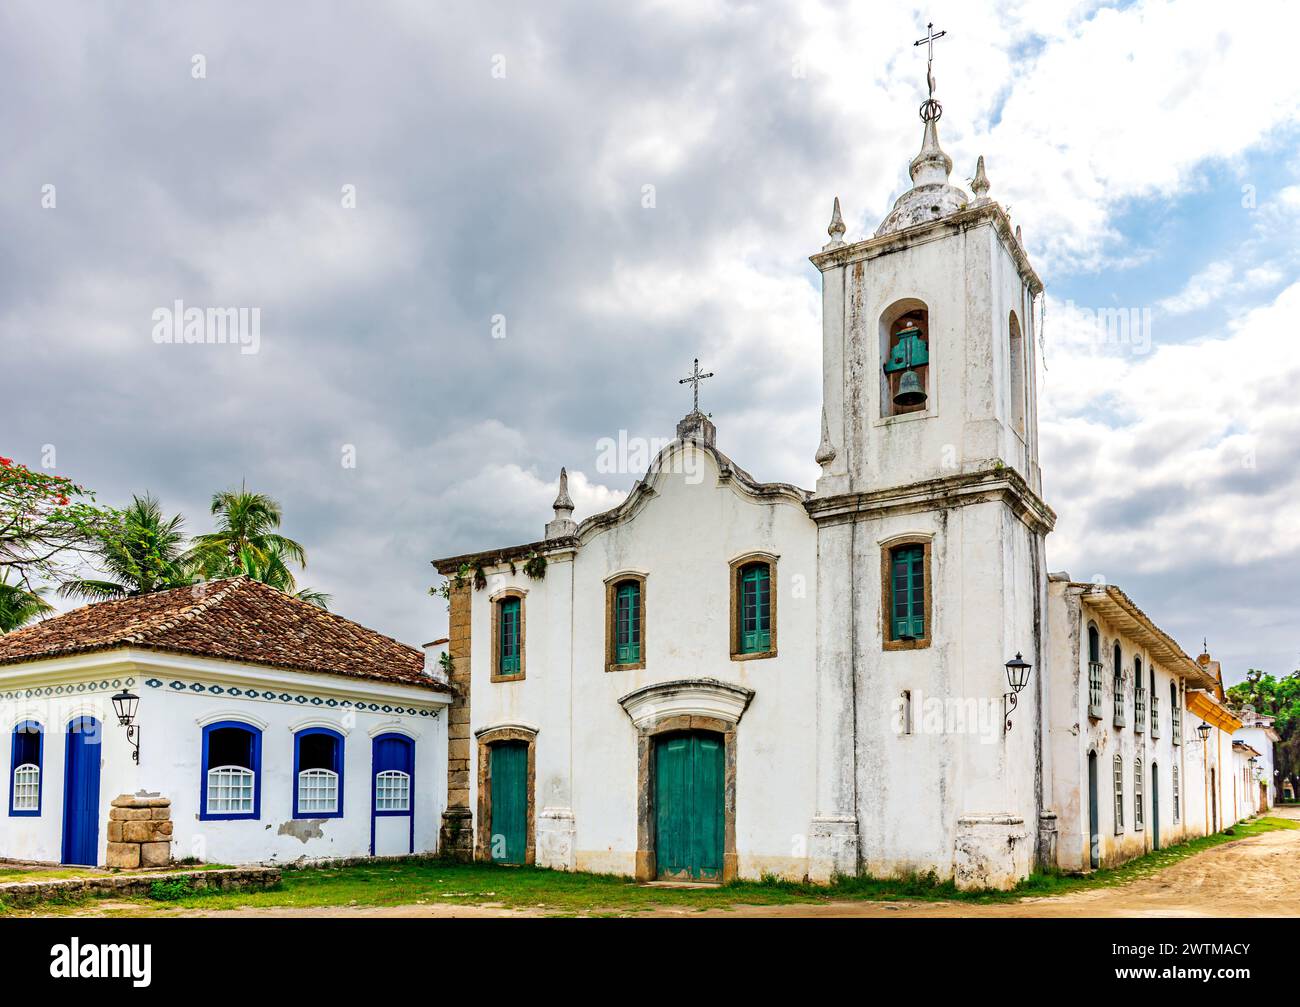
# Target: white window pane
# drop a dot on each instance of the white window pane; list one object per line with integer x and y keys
{"x": 230, "y": 790}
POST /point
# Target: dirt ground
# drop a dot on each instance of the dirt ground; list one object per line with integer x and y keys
{"x": 1259, "y": 876}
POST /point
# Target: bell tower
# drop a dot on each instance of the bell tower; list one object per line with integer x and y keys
{"x": 930, "y": 528}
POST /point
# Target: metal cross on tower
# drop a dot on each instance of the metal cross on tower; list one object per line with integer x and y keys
{"x": 694, "y": 379}
{"x": 928, "y": 42}
{"x": 931, "y": 108}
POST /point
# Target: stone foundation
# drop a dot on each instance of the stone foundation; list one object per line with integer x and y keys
{"x": 991, "y": 851}
{"x": 555, "y": 839}
{"x": 140, "y": 831}
{"x": 833, "y": 848}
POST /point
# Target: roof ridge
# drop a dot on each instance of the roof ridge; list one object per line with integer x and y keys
{"x": 317, "y": 610}
{"x": 192, "y": 611}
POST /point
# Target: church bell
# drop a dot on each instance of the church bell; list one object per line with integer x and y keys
{"x": 910, "y": 392}
{"x": 907, "y": 354}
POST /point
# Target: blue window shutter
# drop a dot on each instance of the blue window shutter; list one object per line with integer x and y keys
{"x": 251, "y": 757}
{"x": 336, "y": 766}
{"x": 27, "y": 748}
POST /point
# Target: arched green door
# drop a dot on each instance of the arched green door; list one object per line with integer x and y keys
{"x": 688, "y": 807}
{"x": 509, "y": 781}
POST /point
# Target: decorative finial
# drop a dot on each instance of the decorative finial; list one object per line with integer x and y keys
{"x": 980, "y": 184}
{"x": 563, "y": 502}
{"x": 931, "y": 110}
{"x": 836, "y": 230}
{"x": 694, "y": 379}
{"x": 825, "y": 450}
{"x": 563, "y": 525}
{"x": 1019, "y": 240}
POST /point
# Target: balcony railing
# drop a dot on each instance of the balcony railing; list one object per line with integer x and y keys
{"x": 1155, "y": 716}
{"x": 1094, "y": 690}
{"x": 1119, "y": 703}
{"x": 1139, "y": 710}
{"x": 1177, "y": 714}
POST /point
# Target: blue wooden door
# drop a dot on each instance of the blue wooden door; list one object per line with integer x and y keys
{"x": 508, "y": 771}
{"x": 81, "y": 792}
{"x": 688, "y": 807}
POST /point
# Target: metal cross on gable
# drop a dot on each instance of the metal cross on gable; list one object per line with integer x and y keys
{"x": 694, "y": 379}
{"x": 928, "y": 42}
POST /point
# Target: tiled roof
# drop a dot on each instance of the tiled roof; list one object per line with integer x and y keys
{"x": 236, "y": 619}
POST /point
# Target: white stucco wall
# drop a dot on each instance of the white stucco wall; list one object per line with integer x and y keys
{"x": 171, "y": 723}
{"x": 1075, "y": 734}
{"x": 682, "y": 538}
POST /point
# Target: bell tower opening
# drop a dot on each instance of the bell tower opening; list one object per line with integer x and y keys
{"x": 905, "y": 349}
{"x": 1016, "y": 346}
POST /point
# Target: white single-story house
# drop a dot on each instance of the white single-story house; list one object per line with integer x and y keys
{"x": 276, "y": 730}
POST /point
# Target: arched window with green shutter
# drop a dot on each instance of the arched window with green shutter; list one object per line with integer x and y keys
{"x": 627, "y": 622}
{"x": 755, "y": 608}
{"x": 907, "y": 592}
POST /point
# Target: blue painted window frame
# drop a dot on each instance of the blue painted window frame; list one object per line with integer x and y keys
{"x": 405, "y": 765}
{"x": 256, "y": 767}
{"x": 337, "y": 767}
{"x": 377, "y": 766}
{"x": 27, "y": 727}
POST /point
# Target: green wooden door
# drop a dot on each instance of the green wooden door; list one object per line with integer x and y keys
{"x": 509, "y": 782}
{"x": 688, "y": 807}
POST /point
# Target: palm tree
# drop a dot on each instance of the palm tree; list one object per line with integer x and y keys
{"x": 245, "y": 542}
{"x": 245, "y": 522}
{"x": 18, "y": 605}
{"x": 272, "y": 571}
{"x": 142, "y": 553}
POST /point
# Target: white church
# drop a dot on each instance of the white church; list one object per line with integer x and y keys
{"x": 724, "y": 678}
{"x": 719, "y": 678}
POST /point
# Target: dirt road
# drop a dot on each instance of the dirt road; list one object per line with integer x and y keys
{"x": 1259, "y": 876}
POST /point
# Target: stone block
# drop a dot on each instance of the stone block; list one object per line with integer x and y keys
{"x": 129, "y": 814}
{"x": 124, "y": 801}
{"x": 115, "y": 831}
{"x": 125, "y": 855}
{"x": 161, "y": 830}
{"x": 158, "y": 802}
{"x": 155, "y": 854}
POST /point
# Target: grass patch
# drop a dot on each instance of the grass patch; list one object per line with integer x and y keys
{"x": 424, "y": 881}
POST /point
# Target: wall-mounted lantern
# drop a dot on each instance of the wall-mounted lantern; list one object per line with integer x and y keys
{"x": 1204, "y": 731}
{"x": 124, "y": 705}
{"x": 1017, "y": 676}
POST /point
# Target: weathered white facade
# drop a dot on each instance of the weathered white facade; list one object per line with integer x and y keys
{"x": 875, "y": 726}
{"x": 1258, "y": 732}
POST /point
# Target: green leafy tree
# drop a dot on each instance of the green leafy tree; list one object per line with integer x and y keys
{"x": 48, "y": 526}
{"x": 140, "y": 553}
{"x": 1278, "y": 698}
{"x": 18, "y": 605}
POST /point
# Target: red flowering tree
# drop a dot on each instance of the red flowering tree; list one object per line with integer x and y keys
{"x": 48, "y": 524}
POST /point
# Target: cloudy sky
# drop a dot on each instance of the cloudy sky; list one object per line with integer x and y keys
{"x": 497, "y": 156}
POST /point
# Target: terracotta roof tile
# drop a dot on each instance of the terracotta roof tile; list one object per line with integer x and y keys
{"x": 236, "y": 619}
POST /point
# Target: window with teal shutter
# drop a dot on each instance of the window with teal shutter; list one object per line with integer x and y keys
{"x": 907, "y": 613}
{"x": 755, "y": 608}
{"x": 627, "y": 623}
{"x": 509, "y": 613}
